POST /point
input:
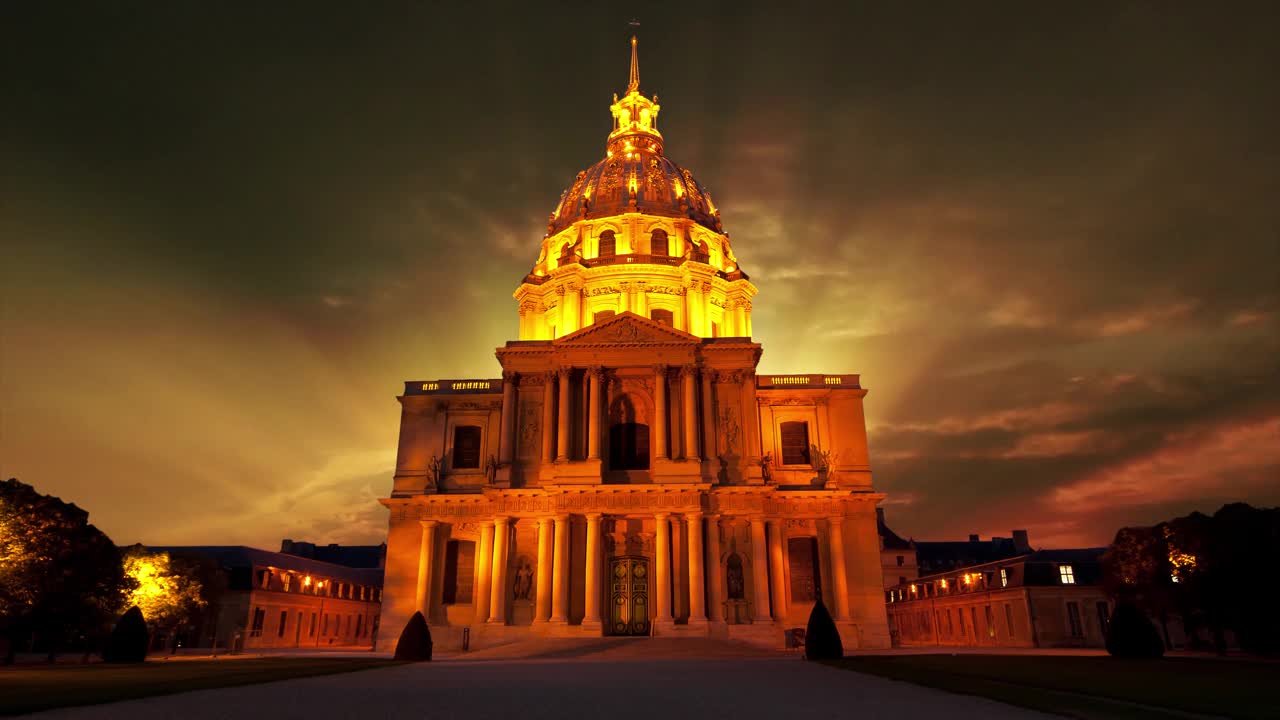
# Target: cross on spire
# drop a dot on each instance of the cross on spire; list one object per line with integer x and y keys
{"x": 634, "y": 83}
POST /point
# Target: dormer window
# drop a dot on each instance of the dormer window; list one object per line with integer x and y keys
{"x": 1067, "y": 574}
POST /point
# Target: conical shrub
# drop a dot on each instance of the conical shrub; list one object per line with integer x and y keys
{"x": 1131, "y": 634}
{"x": 415, "y": 642}
{"x": 128, "y": 641}
{"x": 821, "y": 639}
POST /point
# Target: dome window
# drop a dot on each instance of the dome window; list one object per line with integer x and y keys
{"x": 608, "y": 244}
{"x": 658, "y": 243}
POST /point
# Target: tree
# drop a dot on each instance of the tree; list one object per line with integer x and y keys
{"x": 129, "y": 640}
{"x": 1136, "y": 572}
{"x": 58, "y": 573}
{"x": 821, "y": 638}
{"x": 415, "y": 642}
{"x": 167, "y": 590}
{"x": 1131, "y": 635}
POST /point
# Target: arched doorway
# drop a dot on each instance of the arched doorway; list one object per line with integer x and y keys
{"x": 629, "y": 446}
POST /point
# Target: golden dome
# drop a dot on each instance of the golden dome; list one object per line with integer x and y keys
{"x": 634, "y": 175}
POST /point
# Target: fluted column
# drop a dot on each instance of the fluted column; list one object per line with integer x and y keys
{"x": 593, "y": 413}
{"x": 690, "y": 413}
{"x": 498, "y": 590}
{"x": 715, "y": 608}
{"x": 426, "y": 553}
{"x": 777, "y": 571}
{"x": 697, "y": 606}
{"x": 548, "y": 416}
{"x": 760, "y": 570}
{"x": 508, "y": 441}
{"x": 660, "y": 411}
{"x": 560, "y": 577}
{"x": 542, "y": 600}
{"x": 591, "y": 614}
{"x": 662, "y": 583}
{"x": 562, "y": 429}
{"x": 835, "y": 537}
{"x": 484, "y": 566}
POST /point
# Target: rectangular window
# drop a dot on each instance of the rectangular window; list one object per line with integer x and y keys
{"x": 1067, "y": 574}
{"x": 960, "y": 616}
{"x": 284, "y": 620}
{"x": 1008, "y": 618}
{"x": 359, "y": 625}
{"x": 900, "y": 560}
{"x": 259, "y": 618}
{"x": 466, "y": 446}
{"x": 1004, "y": 577}
{"x": 1103, "y": 617}
{"x": 802, "y": 558}
{"x": 1073, "y": 617}
{"x": 991, "y": 622}
{"x": 324, "y": 624}
{"x": 312, "y": 632}
{"x": 795, "y": 443}
{"x": 285, "y": 581}
{"x": 459, "y": 571}
{"x": 973, "y": 621}
{"x": 951, "y": 629}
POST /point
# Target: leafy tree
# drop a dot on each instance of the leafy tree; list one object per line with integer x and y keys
{"x": 167, "y": 590}
{"x": 58, "y": 574}
{"x": 1136, "y": 572}
{"x": 821, "y": 638}
{"x": 129, "y": 640}
{"x": 415, "y": 642}
{"x": 1131, "y": 635}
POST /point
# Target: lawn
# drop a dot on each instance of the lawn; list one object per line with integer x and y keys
{"x": 25, "y": 689}
{"x": 1093, "y": 687}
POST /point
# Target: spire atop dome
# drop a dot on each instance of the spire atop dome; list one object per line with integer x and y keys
{"x": 635, "y": 117}
{"x": 634, "y": 84}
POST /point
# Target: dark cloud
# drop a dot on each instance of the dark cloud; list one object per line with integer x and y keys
{"x": 1047, "y": 238}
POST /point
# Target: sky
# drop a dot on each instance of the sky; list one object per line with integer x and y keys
{"x": 1047, "y": 236}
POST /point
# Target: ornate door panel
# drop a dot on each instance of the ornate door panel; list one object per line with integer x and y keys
{"x": 629, "y": 595}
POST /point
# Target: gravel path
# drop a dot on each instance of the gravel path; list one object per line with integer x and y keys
{"x": 614, "y": 685}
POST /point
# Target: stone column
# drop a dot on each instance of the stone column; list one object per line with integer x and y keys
{"x": 690, "y": 413}
{"x": 662, "y": 582}
{"x": 708, "y": 416}
{"x": 562, "y": 429}
{"x": 747, "y": 317}
{"x": 507, "y": 444}
{"x": 560, "y": 569}
{"x": 777, "y": 571}
{"x": 697, "y": 607}
{"x": 750, "y": 421}
{"x": 484, "y": 566}
{"x": 624, "y": 297}
{"x": 715, "y": 609}
{"x": 573, "y": 304}
{"x": 642, "y": 299}
{"x": 760, "y": 570}
{"x": 593, "y": 413}
{"x": 498, "y": 590}
{"x": 548, "y": 416}
{"x": 542, "y": 600}
{"x": 660, "y": 411}
{"x": 693, "y": 303}
{"x": 591, "y": 616}
{"x": 740, "y": 319}
{"x": 426, "y": 552}
{"x": 835, "y": 538}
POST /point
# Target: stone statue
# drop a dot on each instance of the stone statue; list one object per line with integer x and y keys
{"x": 766, "y": 467}
{"x": 491, "y": 469}
{"x": 523, "y": 586}
{"x": 433, "y": 471}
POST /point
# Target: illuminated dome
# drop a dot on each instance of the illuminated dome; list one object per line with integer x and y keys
{"x": 635, "y": 233}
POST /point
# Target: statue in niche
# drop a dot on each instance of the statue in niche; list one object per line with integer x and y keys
{"x": 766, "y": 467}
{"x": 433, "y": 471}
{"x": 491, "y": 469}
{"x": 523, "y": 586}
{"x": 734, "y": 581}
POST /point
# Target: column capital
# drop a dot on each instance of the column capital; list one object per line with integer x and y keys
{"x": 693, "y": 515}
{"x": 564, "y": 372}
{"x": 563, "y": 517}
{"x": 596, "y": 371}
{"x": 509, "y": 376}
{"x": 428, "y": 523}
{"x": 836, "y": 519}
{"x": 688, "y": 371}
{"x": 662, "y": 515}
{"x": 486, "y": 523}
{"x": 501, "y": 520}
{"x": 660, "y": 369}
{"x": 594, "y": 515}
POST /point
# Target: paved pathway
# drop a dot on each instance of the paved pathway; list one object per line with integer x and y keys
{"x": 617, "y": 680}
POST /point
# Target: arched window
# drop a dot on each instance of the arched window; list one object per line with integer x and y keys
{"x": 602, "y": 315}
{"x": 466, "y": 446}
{"x": 459, "y": 571}
{"x": 734, "y": 579}
{"x": 666, "y": 317}
{"x": 658, "y": 243}
{"x": 608, "y": 244}
{"x": 795, "y": 443}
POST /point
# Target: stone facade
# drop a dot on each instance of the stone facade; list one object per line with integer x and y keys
{"x": 630, "y": 472}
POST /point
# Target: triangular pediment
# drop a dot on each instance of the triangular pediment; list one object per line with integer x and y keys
{"x": 628, "y": 329}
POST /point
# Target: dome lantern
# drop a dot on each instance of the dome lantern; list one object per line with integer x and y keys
{"x": 635, "y": 117}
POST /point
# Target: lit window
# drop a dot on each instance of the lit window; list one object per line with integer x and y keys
{"x": 608, "y": 244}
{"x": 1067, "y": 574}
{"x": 285, "y": 581}
{"x": 795, "y": 443}
{"x": 1004, "y": 577}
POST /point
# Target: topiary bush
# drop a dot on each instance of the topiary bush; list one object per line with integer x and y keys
{"x": 1132, "y": 635}
{"x": 129, "y": 640}
{"x": 821, "y": 639}
{"x": 415, "y": 642}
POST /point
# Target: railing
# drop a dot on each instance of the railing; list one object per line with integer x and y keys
{"x": 809, "y": 381}
{"x": 634, "y": 259}
{"x": 453, "y": 387}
